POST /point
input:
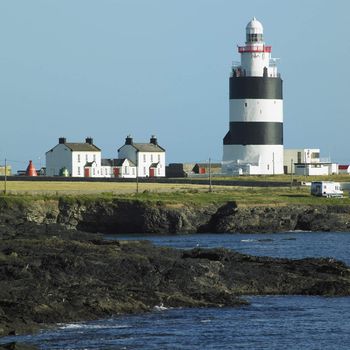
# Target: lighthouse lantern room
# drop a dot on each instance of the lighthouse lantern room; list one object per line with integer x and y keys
{"x": 254, "y": 142}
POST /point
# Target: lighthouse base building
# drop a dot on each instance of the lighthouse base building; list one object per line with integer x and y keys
{"x": 254, "y": 142}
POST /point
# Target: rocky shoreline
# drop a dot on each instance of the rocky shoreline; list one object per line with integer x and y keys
{"x": 133, "y": 216}
{"x": 73, "y": 276}
{"x": 54, "y": 267}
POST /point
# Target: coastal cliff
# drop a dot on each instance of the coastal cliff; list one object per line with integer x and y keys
{"x": 134, "y": 216}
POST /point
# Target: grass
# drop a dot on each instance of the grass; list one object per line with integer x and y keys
{"x": 281, "y": 178}
{"x": 160, "y": 194}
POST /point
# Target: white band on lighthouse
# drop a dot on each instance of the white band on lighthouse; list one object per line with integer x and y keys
{"x": 254, "y": 142}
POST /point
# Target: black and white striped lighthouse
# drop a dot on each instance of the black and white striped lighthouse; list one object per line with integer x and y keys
{"x": 254, "y": 143}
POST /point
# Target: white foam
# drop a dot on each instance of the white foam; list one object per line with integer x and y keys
{"x": 160, "y": 307}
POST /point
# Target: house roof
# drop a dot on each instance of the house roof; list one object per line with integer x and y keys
{"x": 115, "y": 162}
{"x": 82, "y": 147}
{"x": 206, "y": 165}
{"x": 146, "y": 147}
{"x": 343, "y": 167}
{"x": 89, "y": 164}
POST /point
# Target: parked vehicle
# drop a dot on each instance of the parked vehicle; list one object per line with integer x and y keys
{"x": 326, "y": 189}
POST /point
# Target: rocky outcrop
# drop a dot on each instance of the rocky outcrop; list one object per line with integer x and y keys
{"x": 133, "y": 216}
{"x": 45, "y": 279}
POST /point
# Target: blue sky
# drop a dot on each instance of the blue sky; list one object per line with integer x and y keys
{"x": 109, "y": 68}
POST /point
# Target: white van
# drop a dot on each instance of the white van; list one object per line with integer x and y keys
{"x": 326, "y": 189}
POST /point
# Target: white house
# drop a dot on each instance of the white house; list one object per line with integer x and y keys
{"x": 118, "y": 168}
{"x": 79, "y": 159}
{"x": 149, "y": 158}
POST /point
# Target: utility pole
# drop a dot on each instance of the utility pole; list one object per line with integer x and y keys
{"x": 137, "y": 179}
{"x": 273, "y": 163}
{"x": 291, "y": 173}
{"x": 5, "y": 189}
{"x": 210, "y": 188}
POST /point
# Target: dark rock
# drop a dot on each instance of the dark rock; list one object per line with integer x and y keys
{"x": 70, "y": 277}
{"x": 134, "y": 216}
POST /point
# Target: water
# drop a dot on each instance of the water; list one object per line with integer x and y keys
{"x": 270, "y": 322}
{"x": 294, "y": 245}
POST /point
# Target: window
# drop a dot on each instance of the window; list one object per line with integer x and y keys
{"x": 126, "y": 172}
{"x": 93, "y": 171}
{"x": 94, "y": 157}
{"x": 151, "y": 157}
{"x": 158, "y": 157}
{"x": 254, "y": 37}
{"x": 86, "y": 158}
{"x": 78, "y": 170}
{"x": 246, "y": 104}
{"x": 144, "y": 158}
{"x": 133, "y": 171}
{"x": 78, "y": 158}
{"x": 106, "y": 171}
{"x": 144, "y": 170}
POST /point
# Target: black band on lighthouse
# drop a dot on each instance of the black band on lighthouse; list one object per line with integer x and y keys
{"x": 255, "y": 87}
{"x": 254, "y": 133}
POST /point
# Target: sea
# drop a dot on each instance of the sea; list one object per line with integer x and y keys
{"x": 269, "y": 322}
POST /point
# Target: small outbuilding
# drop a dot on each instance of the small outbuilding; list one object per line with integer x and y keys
{"x": 344, "y": 169}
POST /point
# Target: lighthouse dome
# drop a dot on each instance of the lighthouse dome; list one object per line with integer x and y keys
{"x": 254, "y": 31}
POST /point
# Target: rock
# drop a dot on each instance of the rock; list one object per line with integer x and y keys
{"x": 45, "y": 279}
{"x": 134, "y": 216}
{"x": 17, "y": 346}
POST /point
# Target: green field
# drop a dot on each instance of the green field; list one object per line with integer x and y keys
{"x": 166, "y": 193}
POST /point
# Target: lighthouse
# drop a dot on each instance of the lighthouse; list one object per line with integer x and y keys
{"x": 254, "y": 142}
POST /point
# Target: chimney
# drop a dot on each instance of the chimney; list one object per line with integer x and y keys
{"x": 128, "y": 140}
{"x": 153, "y": 140}
{"x": 89, "y": 140}
{"x": 62, "y": 140}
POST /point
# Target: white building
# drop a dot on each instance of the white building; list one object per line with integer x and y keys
{"x": 79, "y": 159}
{"x": 307, "y": 161}
{"x": 254, "y": 143}
{"x": 299, "y": 155}
{"x": 122, "y": 168}
{"x": 149, "y": 158}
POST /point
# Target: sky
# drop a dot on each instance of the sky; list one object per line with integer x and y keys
{"x": 110, "y": 68}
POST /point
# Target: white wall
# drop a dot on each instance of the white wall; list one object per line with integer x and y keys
{"x": 129, "y": 152}
{"x": 143, "y": 160}
{"x": 60, "y": 157}
{"x": 81, "y": 158}
{"x": 254, "y": 62}
{"x": 291, "y": 157}
{"x": 248, "y": 110}
{"x": 262, "y": 159}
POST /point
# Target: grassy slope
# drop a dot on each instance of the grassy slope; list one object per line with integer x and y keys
{"x": 166, "y": 193}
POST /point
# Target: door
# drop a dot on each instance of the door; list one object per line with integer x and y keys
{"x": 151, "y": 172}
{"x": 116, "y": 172}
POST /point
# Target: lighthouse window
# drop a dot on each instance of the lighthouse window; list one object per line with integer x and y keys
{"x": 246, "y": 104}
{"x": 254, "y": 37}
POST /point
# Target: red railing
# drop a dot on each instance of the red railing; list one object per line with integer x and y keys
{"x": 254, "y": 49}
